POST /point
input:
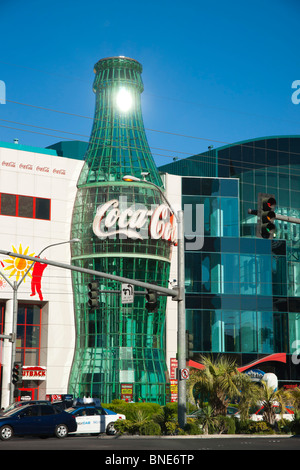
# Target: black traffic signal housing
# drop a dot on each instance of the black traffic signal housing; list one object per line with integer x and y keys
{"x": 151, "y": 300}
{"x": 266, "y": 205}
{"x": 93, "y": 294}
{"x": 189, "y": 345}
{"x": 16, "y": 372}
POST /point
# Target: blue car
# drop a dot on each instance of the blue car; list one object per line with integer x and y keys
{"x": 41, "y": 420}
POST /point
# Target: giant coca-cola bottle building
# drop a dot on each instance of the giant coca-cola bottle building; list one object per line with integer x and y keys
{"x": 118, "y": 344}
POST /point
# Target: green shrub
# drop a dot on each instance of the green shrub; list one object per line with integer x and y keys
{"x": 226, "y": 424}
{"x": 150, "y": 429}
{"x": 284, "y": 426}
{"x": 242, "y": 426}
{"x": 170, "y": 411}
{"x": 171, "y": 428}
{"x": 130, "y": 409}
{"x": 167, "y": 418}
{"x": 260, "y": 427}
{"x": 295, "y": 424}
{"x": 125, "y": 426}
{"x": 192, "y": 427}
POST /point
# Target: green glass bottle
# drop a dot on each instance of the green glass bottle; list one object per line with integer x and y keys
{"x": 119, "y": 347}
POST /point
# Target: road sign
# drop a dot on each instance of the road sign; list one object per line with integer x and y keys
{"x": 184, "y": 374}
{"x": 127, "y": 293}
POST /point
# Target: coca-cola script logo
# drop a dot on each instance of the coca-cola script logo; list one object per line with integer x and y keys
{"x": 10, "y": 164}
{"x": 134, "y": 222}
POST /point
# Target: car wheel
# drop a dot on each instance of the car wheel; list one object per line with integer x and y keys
{"x": 110, "y": 429}
{"x": 6, "y": 432}
{"x": 61, "y": 431}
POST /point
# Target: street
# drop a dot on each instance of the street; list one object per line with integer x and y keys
{"x": 113, "y": 449}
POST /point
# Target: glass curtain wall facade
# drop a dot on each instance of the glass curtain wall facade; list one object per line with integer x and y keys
{"x": 242, "y": 292}
{"x": 118, "y": 344}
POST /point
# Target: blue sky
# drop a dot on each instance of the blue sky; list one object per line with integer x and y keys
{"x": 214, "y": 72}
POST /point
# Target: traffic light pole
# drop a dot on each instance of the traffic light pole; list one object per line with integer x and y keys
{"x": 176, "y": 294}
{"x": 181, "y": 323}
{"x": 286, "y": 218}
{"x": 14, "y": 329}
{"x": 12, "y": 336}
{"x": 163, "y": 290}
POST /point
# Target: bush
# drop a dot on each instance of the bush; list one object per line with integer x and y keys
{"x": 130, "y": 409}
{"x": 227, "y": 424}
{"x": 150, "y": 429}
{"x": 260, "y": 427}
{"x": 295, "y": 424}
{"x": 192, "y": 427}
{"x": 125, "y": 426}
{"x": 171, "y": 428}
{"x": 170, "y": 411}
{"x": 284, "y": 426}
{"x": 167, "y": 419}
{"x": 242, "y": 426}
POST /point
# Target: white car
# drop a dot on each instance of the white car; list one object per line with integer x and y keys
{"x": 258, "y": 415}
{"x": 94, "y": 420}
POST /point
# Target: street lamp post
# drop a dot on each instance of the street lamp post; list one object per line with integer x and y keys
{"x": 13, "y": 336}
{"x": 181, "y": 315}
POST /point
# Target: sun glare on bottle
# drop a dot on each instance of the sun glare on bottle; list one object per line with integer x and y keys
{"x": 124, "y": 100}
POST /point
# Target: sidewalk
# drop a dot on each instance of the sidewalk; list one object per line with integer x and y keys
{"x": 203, "y": 436}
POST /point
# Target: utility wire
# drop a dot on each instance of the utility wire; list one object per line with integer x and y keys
{"x": 147, "y": 129}
{"x": 238, "y": 163}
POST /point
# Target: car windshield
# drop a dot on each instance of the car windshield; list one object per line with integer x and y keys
{"x": 13, "y": 407}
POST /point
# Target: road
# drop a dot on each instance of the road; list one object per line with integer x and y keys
{"x": 146, "y": 446}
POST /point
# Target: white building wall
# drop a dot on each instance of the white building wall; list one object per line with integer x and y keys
{"x": 47, "y": 176}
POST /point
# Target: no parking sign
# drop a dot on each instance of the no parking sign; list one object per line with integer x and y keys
{"x": 184, "y": 374}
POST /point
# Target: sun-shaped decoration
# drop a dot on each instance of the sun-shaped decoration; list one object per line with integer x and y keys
{"x": 18, "y": 266}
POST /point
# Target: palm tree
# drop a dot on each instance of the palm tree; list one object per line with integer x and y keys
{"x": 208, "y": 420}
{"x": 250, "y": 394}
{"x": 293, "y": 396}
{"x": 269, "y": 399}
{"x": 220, "y": 381}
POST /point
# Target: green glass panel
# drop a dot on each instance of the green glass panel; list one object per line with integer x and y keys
{"x": 118, "y": 344}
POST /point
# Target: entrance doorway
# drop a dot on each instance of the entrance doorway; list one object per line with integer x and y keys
{"x": 26, "y": 394}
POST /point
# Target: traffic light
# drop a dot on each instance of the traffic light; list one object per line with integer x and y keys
{"x": 93, "y": 294}
{"x": 189, "y": 345}
{"x": 266, "y": 205}
{"x": 16, "y": 371}
{"x": 151, "y": 300}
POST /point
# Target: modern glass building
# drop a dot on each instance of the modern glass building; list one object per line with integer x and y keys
{"x": 118, "y": 347}
{"x": 243, "y": 292}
